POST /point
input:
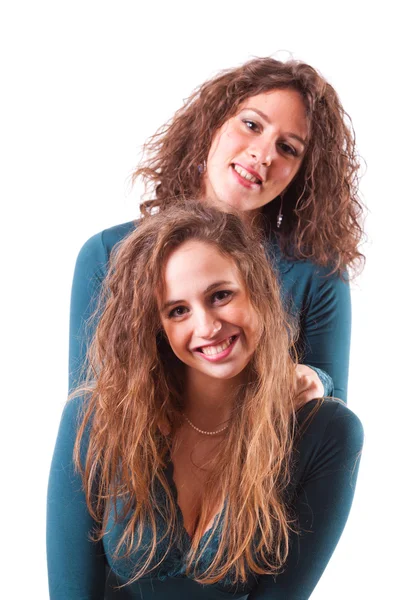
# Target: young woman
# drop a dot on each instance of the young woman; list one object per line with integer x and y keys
{"x": 182, "y": 469}
{"x": 271, "y": 140}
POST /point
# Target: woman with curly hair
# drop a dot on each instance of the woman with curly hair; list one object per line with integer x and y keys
{"x": 183, "y": 468}
{"x": 271, "y": 140}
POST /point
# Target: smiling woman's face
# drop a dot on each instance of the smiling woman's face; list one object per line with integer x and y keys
{"x": 256, "y": 153}
{"x": 205, "y": 311}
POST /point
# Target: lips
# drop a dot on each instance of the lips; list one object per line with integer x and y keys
{"x": 214, "y": 349}
{"x": 247, "y": 173}
{"x": 217, "y": 351}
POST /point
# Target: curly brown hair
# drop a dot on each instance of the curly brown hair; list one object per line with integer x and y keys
{"x": 323, "y": 211}
{"x": 134, "y": 389}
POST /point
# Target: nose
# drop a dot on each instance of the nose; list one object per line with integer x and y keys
{"x": 263, "y": 150}
{"x": 206, "y": 324}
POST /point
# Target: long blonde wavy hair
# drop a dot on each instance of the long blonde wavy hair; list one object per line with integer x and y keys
{"x": 134, "y": 404}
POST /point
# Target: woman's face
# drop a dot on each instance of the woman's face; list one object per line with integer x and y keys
{"x": 205, "y": 311}
{"x": 256, "y": 153}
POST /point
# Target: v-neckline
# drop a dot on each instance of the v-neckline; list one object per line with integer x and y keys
{"x": 171, "y": 481}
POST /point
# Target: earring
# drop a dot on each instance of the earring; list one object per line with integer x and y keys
{"x": 280, "y": 215}
{"x": 202, "y": 168}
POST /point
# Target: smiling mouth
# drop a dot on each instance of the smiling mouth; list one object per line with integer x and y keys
{"x": 246, "y": 175}
{"x": 217, "y": 348}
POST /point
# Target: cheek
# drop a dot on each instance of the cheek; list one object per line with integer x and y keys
{"x": 288, "y": 171}
{"x": 284, "y": 171}
{"x": 176, "y": 337}
{"x": 246, "y": 318}
{"x": 251, "y": 326}
{"x": 224, "y": 143}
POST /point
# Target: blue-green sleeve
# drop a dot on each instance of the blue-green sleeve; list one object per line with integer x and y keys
{"x": 326, "y": 330}
{"x": 76, "y": 565}
{"x": 90, "y": 270}
{"x": 329, "y": 454}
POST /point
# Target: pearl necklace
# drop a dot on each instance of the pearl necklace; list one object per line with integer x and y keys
{"x": 201, "y": 430}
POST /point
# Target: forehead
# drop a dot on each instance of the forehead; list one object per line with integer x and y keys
{"x": 195, "y": 265}
{"x": 284, "y": 107}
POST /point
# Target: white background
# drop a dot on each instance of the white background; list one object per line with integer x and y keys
{"x": 83, "y": 84}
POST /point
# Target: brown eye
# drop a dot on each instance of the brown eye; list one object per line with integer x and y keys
{"x": 221, "y": 296}
{"x": 252, "y": 125}
{"x": 288, "y": 149}
{"x": 178, "y": 311}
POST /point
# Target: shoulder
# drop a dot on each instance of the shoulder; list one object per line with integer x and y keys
{"x": 93, "y": 258}
{"x": 322, "y": 421}
{"x": 302, "y": 267}
{"x": 308, "y": 284}
{"x": 305, "y": 268}
{"x": 72, "y": 415}
{"x": 101, "y": 244}
{"x": 329, "y": 439}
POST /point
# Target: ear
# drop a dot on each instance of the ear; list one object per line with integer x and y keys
{"x": 164, "y": 426}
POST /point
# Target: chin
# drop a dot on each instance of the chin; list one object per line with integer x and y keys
{"x": 228, "y": 374}
{"x": 242, "y": 204}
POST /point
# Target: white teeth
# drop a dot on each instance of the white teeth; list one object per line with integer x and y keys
{"x": 245, "y": 174}
{"x": 211, "y": 350}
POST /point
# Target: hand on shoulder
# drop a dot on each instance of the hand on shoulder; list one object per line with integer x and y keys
{"x": 308, "y": 385}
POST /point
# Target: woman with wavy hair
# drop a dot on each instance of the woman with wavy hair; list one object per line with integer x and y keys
{"x": 183, "y": 468}
{"x": 271, "y": 140}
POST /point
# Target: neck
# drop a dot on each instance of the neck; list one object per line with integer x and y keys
{"x": 209, "y": 402}
{"x": 254, "y": 218}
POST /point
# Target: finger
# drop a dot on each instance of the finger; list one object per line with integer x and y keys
{"x": 306, "y": 383}
{"x": 307, "y": 395}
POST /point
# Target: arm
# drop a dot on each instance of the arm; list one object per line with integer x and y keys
{"x": 326, "y": 328}
{"x": 76, "y": 565}
{"x": 89, "y": 273}
{"x": 325, "y": 479}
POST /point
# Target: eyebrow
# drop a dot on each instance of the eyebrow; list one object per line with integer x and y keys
{"x": 268, "y": 120}
{"x": 206, "y": 291}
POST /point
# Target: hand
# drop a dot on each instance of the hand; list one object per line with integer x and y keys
{"x": 308, "y": 385}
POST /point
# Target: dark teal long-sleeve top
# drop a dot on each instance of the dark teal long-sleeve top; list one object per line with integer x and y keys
{"x": 320, "y": 301}
{"x": 323, "y": 478}
{"x": 324, "y": 473}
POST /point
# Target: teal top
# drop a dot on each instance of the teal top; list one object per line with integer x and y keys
{"x": 324, "y": 466}
{"x": 324, "y": 473}
{"x": 320, "y": 301}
